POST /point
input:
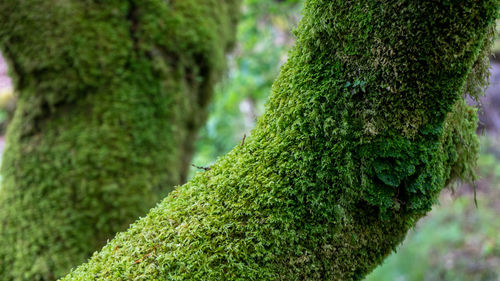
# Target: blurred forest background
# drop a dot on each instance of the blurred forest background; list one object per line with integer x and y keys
{"x": 456, "y": 241}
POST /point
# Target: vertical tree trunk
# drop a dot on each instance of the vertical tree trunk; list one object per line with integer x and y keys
{"x": 110, "y": 96}
{"x": 365, "y": 126}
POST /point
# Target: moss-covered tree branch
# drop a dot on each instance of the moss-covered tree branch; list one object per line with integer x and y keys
{"x": 110, "y": 96}
{"x": 365, "y": 126}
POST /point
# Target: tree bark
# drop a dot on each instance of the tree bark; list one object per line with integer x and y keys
{"x": 111, "y": 94}
{"x": 365, "y": 126}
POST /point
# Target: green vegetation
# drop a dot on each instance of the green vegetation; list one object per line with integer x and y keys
{"x": 457, "y": 241}
{"x": 264, "y": 38}
{"x": 111, "y": 94}
{"x": 359, "y": 138}
{"x": 454, "y": 242}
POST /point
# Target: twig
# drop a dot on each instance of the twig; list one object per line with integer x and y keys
{"x": 201, "y": 167}
{"x": 243, "y": 140}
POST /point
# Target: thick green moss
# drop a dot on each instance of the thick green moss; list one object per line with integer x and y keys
{"x": 110, "y": 95}
{"x": 365, "y": 125}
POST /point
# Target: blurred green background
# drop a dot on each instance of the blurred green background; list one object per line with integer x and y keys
{"x": 457, "y": 241}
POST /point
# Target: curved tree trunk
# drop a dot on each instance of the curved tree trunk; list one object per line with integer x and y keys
{"x": 110, "y": 96}
{"x": 354, "y": 148}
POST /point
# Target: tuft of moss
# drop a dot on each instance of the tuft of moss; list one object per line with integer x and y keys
{"x": 111, "y": 94}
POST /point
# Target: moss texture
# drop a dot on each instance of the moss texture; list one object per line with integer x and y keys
{"x": 110, "y": 96}
{"x": 365, "y": 126}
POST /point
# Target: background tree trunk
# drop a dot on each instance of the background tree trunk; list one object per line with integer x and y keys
{"x": 111, "y": 94}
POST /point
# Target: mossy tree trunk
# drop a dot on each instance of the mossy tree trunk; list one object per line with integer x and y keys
{"x": 110, "y": 96}
{"x": 365, "y": 126}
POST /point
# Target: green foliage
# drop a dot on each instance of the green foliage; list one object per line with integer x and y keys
{"x": 264, "y": 38}
{"x": 313, "y": 194}
{"x": 110, "y": 96}
{"x": 459, "y": 251}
